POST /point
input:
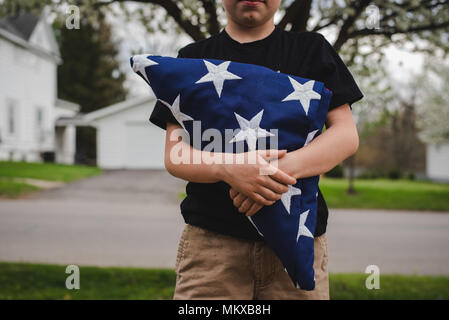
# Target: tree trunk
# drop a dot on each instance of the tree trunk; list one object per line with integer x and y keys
{"x": 351, "y": 167}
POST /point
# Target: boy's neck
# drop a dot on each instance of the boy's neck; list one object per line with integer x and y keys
{"x": 244, "y": 34}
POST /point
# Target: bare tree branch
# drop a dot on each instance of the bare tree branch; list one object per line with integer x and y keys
{"x": 298, "y": 14}
{"x": 427, "y": 15}
{"x": 173, "y": 11}
{"x": 210, "y": 6}
{"x": 331, "y": 21}
{"x": 428, "y": 4}
{"x": 391, "y": 31}
{"x": 343, "y": 35}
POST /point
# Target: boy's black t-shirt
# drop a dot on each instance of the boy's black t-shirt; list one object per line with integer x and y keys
{"x": 306, "y": 54}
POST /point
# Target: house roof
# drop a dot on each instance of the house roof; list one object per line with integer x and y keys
{"x": 21, "y": 24}
{"x": 19, "y": 29}
{"x": 77, "y": 120}
{"x": 64, "y": 104}
{"x": 118, "y": 107}
{"x": 88, "y": 118}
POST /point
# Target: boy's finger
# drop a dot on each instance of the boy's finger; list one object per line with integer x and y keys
{"x": 238, "y": 200}
{"x": 268, "y": 193}
{"x": 275, "y": 186}
{"x": 260, "y": 200}
{"x": 281, "y": 177}
{"x": 254, "y": 208}
{"x": 232, "y": 193}
{"x": 246, "y": 204}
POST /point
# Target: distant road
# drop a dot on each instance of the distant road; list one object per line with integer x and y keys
{"x": 131, "y": 218}
{"x": 397, "y": 242}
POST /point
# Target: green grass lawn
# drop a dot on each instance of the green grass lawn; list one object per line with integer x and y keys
{"x": 386, "y": 194}
{"x": 38, "y": 281}
{"x": 346, "y": 286}
{"x": 12, "y": 189}
{"x": 46, "y": 171}
{"x": 10, "y": 170}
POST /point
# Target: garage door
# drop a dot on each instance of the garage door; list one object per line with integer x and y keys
{"x": 145, "y": 144}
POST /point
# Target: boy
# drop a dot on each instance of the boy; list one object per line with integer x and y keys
{"x": 220, "y": 254}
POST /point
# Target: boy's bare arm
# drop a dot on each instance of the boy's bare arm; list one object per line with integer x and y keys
{"x": 338, "y": 142}
{"x": 245, "y": 177}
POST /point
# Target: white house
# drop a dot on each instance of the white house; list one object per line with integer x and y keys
{"x": 29, "y": 107}
{"x": 437, "y": 162}
{"x": 125, "y": 137}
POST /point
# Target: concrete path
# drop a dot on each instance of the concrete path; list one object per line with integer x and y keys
{"x": 131, "y": 218}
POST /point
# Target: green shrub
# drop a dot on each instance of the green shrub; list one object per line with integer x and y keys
{"x": 411, "y": 176}
{"x": 336, "y": 172}
{"x": 394, "y": 174}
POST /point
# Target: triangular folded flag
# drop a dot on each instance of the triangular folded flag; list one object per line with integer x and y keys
{"x": 252, "y": 107}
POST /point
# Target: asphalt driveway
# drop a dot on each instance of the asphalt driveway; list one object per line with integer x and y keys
{"x": 132, "y": 218}
{"x": 120, "y": 218}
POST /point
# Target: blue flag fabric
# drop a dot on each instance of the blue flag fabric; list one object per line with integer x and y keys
{"x": 251, "y": 101}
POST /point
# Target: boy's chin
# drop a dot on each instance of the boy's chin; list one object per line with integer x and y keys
{"x": 251, "y": 20}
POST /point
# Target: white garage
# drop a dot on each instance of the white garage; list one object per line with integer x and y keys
{"x": 126, "y": 139}
{"x": 437, "y": 161}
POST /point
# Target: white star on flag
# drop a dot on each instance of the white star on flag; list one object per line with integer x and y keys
{"x": 310, "y": 137}
{"x": 140, "y": 62}
{"x": 302, "y": 229}
{"x": 286, "y": 197}
{"x": 218, "y": 75}
{"x": 302, "y": 92}
{"x": 174, "y": 108}
{"x": 250, "y": 130}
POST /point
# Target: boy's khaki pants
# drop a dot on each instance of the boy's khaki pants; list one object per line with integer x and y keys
{"x": 210, "y": 265}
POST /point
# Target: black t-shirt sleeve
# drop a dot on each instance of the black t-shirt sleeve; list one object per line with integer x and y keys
{"x": 161, "y": 114}
{"x": 336, "y": 76}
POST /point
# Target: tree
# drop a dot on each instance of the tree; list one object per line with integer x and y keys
{"x": 393, "y": 147}
{"x": 89, "y": 75}
{"x": 376, "y": 84}
{"x": 362, "y": 28}
{"x": 386, "y": 21}
{"x": 433, "y": 99}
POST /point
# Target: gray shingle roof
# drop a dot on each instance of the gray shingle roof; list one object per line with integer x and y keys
{"x": 21, "y": 24}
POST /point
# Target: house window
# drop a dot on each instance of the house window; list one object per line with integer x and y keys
{"x": 39, "y": 124}
{"x": 39, "y": 118}
{"x": 11, "y": 117}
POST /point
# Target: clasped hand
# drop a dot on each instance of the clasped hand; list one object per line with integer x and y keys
{"x": 250, "y": 189}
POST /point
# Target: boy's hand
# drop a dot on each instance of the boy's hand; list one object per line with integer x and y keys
{"x": 245, "y": 204}
{"x": 247, "y": 179}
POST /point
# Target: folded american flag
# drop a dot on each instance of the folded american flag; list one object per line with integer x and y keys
{"x": 245, "y": 102}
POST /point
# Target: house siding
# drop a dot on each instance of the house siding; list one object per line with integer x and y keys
{"x": 115, "y": 150}
{"x": 29, "y": 80}
{"x": 438, "y": 162}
